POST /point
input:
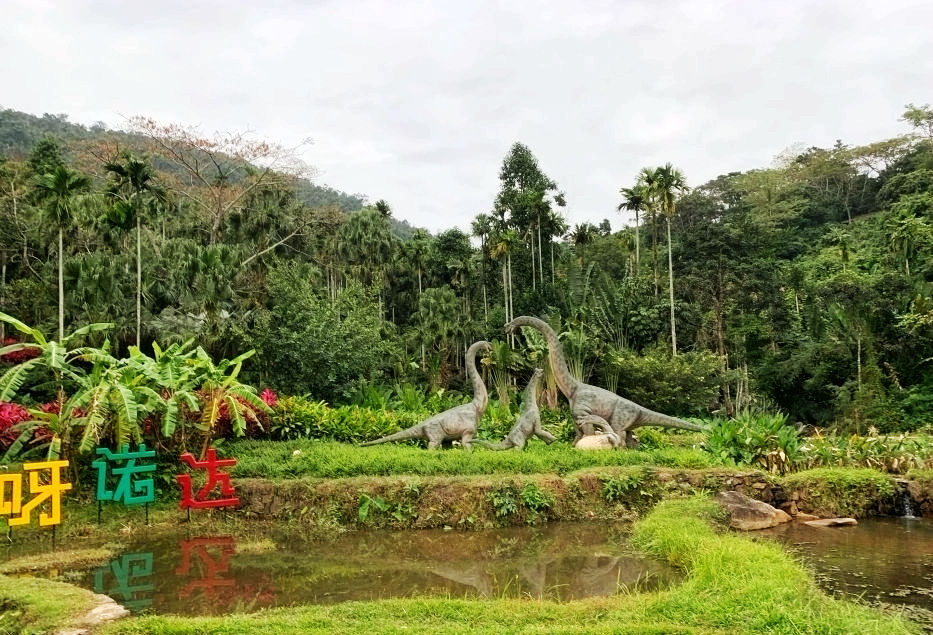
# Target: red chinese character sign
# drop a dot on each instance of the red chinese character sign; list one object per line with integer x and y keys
{"x": 215, "y": 478}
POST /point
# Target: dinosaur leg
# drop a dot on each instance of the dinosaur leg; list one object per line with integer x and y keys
{"x": 544, "y": 435}
{"x": 466, "y": 439}
{"x": 581, "y": 427}
{"x": 595, "y": 422}
{"x": 622, "y": 421}
{"x": 435, "y": 439}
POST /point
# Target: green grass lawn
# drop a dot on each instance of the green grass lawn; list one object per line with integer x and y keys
{"x": 327, "y": 459}
{"x": 733, "y": 586}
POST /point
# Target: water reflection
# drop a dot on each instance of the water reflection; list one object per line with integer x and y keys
{"x": 215, "y": 574}
{"x": 127, "y": 580}
{"x": 880, "y": 560}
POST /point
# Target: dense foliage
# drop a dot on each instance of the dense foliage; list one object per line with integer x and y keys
{"x": 804, "y": 287}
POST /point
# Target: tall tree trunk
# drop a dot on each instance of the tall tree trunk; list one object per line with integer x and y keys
{"x": 670, "y": 285}
{"x": 505, "y": 290}
{"x": 552, "y": 264}
{"x": 511, "y": 298}
{"x": 61, "y": 288}
{"x": 2, "y": 293}
{"x": 534, "y": 274}
{"x": 654, "y": 249}
{"x": 540, "y": 262}
{"x": 139, "y": 281}
{"x": 637, "y": 245}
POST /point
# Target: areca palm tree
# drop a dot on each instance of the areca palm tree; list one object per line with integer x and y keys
{"x": 647, "y": 180}
{"x": 581, "y": 236}
{"x": 482, "y": 228}
{"x": 56, "y": 191}
{"x": 666, "y": 184}
{"x": 134, "y": 183}
{"x": 503, "y": 244}
{"x": 416, "y": 252}
{"x": 635, "y": 199}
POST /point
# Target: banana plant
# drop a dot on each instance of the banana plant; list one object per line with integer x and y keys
{"x": 220, "y": 387}
{"x": 56, "y": 357}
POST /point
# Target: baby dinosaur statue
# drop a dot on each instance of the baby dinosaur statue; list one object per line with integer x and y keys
{"x": 591, "y": 405}
{"x": 456, "y": 423}
{"x": 529, "y": 421}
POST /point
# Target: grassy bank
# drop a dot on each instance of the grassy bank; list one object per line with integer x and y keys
{"x": 733, "y": 585}
{"x": 33, "y": 606}
{"x": 328, "y": 459}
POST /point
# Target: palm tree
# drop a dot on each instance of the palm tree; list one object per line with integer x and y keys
{"x": 581, "y": 236}
{"x": 57, "y": 191}
{"x": 667, "y": 183}
{"x": 635, "y": 199}
{"x": 646, "y": 180}
{"x": 416, "y": 251}
{"x": 134, "y": 182}
{"x": 906, "y": 234}
{"x": 504, "y": 243}
{"x": 482, "y": 227}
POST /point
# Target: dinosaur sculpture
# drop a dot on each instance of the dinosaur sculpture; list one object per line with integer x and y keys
{"x": 529, "y": 421}
{"x": 456, "y": 423}
{"x": 591, "y": 405}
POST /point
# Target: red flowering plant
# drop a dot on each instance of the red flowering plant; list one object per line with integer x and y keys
{"x": 17, "y": 352}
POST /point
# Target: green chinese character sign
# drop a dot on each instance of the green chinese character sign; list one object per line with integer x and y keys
{"x": 129, "y": 490}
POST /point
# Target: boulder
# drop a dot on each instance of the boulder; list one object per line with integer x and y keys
{"x": 749, "y": 514}
{"x": 595, "y": 442}
{"x": 803, "y": 517}
{"x": 831, "y": 522}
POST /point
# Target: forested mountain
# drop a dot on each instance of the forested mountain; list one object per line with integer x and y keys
{"x": 805, "y": 286}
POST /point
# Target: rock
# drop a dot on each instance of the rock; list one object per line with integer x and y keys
{"x": 594, "y": 442}
{"x": 803, "y": 517}
{"x": 831, "y": 522}
{"x": 749, "y": 514}
{"x": 106, "y": 611}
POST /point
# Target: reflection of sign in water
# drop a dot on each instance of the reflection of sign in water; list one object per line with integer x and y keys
{"x": 127, "y": 570}
{"x": 42, "y": 487}
{"x": 128, "y": 490}
{"x": 214, "y": 478}
{"x": 213, "y": 587}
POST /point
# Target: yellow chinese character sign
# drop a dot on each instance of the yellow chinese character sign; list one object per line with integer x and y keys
{"x": 42, "y": 487}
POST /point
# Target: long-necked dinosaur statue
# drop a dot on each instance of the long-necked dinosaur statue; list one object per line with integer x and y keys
{"x": 529, "y": 421}
{"x": 590, "y": 404}
{"x": 456, "y": 423}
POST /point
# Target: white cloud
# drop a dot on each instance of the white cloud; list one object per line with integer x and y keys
{"x": 417, "y": 102}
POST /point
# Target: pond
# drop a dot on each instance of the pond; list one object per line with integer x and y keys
{"x": 199, "y": 575}
{"x": 882, "y": 561}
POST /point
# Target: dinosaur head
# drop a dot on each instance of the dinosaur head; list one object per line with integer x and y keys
{"x": 537, "y": 373}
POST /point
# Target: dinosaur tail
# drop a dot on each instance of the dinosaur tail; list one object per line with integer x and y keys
{"x": 504, "y": 445}
{"x": 652, "y": 418}
{"x": 413, "y": 432}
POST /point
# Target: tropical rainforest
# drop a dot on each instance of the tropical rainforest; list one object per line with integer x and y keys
{"x": 803, "y": 287}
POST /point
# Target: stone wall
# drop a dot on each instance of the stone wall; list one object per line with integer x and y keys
{"x": 605, "y": 493}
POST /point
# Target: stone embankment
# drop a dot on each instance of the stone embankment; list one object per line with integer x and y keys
{"x": 604, "y": 493}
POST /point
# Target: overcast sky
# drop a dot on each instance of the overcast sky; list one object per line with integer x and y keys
{"x": 418, "y": 102}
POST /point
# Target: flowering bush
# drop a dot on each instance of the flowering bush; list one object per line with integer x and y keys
{"x": 18, "y": 357}
{"x": 10, "y": 415}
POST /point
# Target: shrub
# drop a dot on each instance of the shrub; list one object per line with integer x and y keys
{"x": 765, "y": 441}
{"x": 297, "y": 417}
{"x": 687, "y": 383}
